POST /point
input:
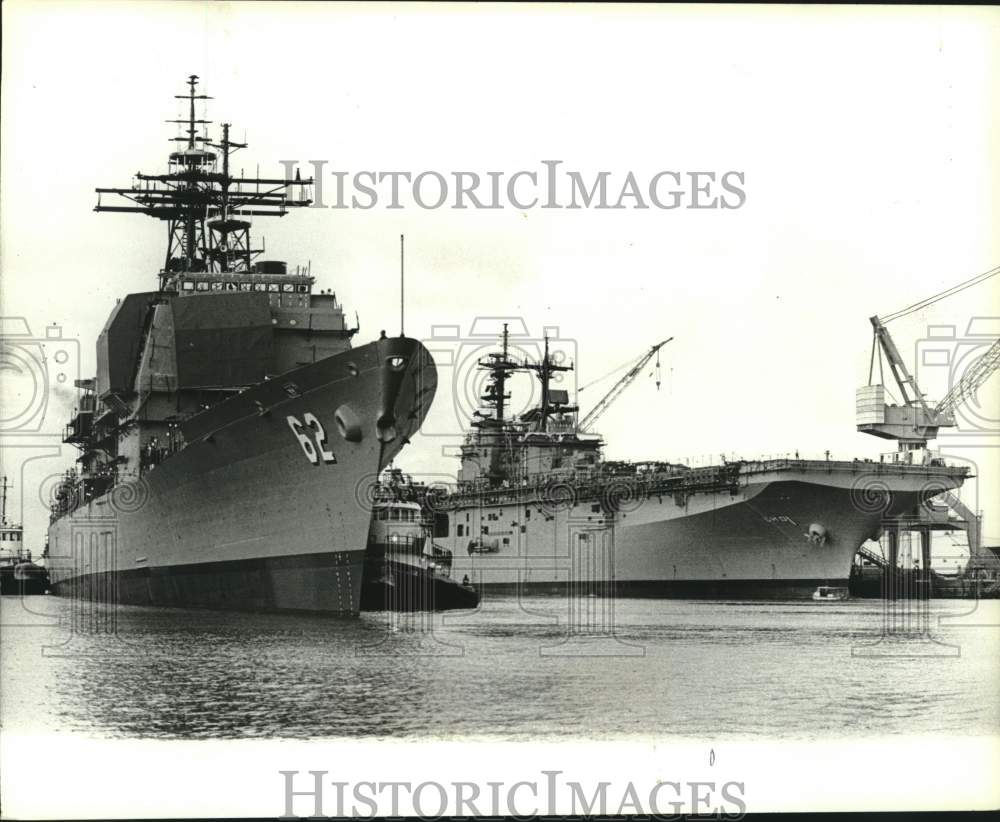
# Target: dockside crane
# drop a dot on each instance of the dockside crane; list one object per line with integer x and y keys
{"x": 606, "y": 401}
{"x": 915, "y": 422}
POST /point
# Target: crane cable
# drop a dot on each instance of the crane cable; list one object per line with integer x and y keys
{"x": 940, "y": 296}
{"x": 621, "y": 367}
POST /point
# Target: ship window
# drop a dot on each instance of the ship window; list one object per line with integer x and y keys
{"x": 288, "y": 287}
{"x": 506, "y": 541}
{"x": 303, "y": 289}
{"x": 524, "y": 529}
{"x": 260, "y": 286}
{"x": 202, "y": 286}
{"x": 486, "y": 529}
{"x": 527, "y": 513}
{"x": 394, "y": 514}
{"x": 460, "y": 531}
{"x": 216, "y": 286}
{"x": 187, "y": 285}
{"x": 273, "y": 287}
{"x": 229, "y": 286}
{"x": 246, "y": 287}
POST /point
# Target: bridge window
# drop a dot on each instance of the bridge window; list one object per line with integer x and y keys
{"x": 303, "y": 289}
{"x": 273, "y": 287}
{"x": 216, "y": 286}
{"x": 246, "y": 286}
{"x": 288, "y": 287}
{"x": 260, "y": 286}
{"x": 203, "y": 286}
{"x": 187, "y": 285}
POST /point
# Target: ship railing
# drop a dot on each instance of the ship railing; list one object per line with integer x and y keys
{"x": 854, "y": 466}
{"x": 696, "y": 480}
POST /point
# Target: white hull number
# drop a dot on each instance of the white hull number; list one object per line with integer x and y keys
{"x": 305, "y": 432}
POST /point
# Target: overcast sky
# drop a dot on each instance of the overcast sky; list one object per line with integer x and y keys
{"x": 867, "y": 140}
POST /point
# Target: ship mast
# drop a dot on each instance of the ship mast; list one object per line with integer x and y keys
{"x": 3, "y": 510}
{"x": 545, "y": 369}
{"x": 206, "y": 209}
{"x": 500, "y": 366}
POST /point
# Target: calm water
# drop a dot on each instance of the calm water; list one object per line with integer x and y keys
{"x": 677, "y": 668}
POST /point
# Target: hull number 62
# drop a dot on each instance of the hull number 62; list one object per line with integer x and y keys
{"x": 306, "y": 431}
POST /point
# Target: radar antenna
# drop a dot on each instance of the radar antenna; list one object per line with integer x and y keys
{"x": 206, "y": 209}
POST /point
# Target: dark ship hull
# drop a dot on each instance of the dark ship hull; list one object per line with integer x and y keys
{"x": 24, "y": 579}
{"x": 404, "y": 585}
{"x": 242, "y": 518}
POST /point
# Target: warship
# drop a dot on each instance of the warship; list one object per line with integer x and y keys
{"x": 230, "y": 424}
{"x": 536, "y": 507}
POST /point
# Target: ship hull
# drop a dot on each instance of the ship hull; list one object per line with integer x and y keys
{"x": 247, "y": 516}
{"x": 23, "y": 581}
{"x": 777, "y": 532}
{"x": 401, "y": 585}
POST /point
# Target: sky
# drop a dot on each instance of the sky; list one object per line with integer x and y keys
{"x": 866, "y": 138}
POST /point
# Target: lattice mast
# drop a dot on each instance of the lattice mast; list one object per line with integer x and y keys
{"x": 206, "y": 208}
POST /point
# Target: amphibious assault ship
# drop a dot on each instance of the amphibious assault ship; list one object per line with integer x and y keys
{"x": 230, "y": 424}
{"x": 537, "y": 508}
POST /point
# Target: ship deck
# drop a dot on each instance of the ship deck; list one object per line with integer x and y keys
{"x": 728, "y": 476}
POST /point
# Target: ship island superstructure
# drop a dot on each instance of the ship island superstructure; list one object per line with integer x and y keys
{"x": 538, "y": 508}
{"x": 230, "y": 422}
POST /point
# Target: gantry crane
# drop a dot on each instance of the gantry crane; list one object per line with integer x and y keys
{"x": 915, "y": 422}
{"x": 616, "y": 390}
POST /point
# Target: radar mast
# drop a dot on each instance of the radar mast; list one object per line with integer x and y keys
{"x": 206, "y": 209}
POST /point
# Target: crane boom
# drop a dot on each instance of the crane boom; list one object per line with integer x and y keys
{"x": 974, "y": 376}
{"x": 616, "y": 390}
{"x": 896, "y": 364}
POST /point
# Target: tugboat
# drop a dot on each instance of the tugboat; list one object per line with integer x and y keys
{"x": 404, "y": 569}
{"x": 18, "y": 574}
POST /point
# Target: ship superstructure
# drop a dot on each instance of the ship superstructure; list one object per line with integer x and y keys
{"x": 537, "y": 507}
{"x": 230, "y": 421}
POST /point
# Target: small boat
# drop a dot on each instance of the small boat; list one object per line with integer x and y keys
{"x": 826, "y": 593}
{"x": 18, "y": 574}
{"x": 405, "y": 570}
